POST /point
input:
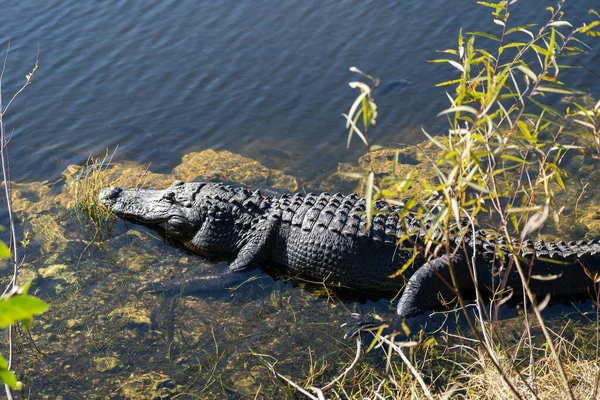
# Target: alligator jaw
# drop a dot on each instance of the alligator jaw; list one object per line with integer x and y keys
{"x": 144, "y": 206}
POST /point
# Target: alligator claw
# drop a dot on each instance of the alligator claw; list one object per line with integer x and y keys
{"x": 362, "y": 322}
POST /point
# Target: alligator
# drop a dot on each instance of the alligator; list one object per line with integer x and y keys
{"x": 327, "y": 238}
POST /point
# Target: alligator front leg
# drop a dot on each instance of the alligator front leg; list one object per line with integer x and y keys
{"x": 255, "y": 250}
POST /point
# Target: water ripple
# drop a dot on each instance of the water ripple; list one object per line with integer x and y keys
{"x": 162, "y": 78}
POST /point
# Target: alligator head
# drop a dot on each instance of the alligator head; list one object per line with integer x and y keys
{"x": 170, "y": 210}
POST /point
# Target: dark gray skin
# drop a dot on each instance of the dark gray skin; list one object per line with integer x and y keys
{"x": 324, "y": 238}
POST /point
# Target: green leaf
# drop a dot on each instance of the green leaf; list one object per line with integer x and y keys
{"x": 589, "y": 26}
{"x": 550, "y": 48}
{"x": 404, "y": 267}
{"x": 4, "y": 250}
{"x": 513, "y": 158}
{"x": 446, "y": 83}
{"x": 459, "y": 108}
{"x": 539, "y": 49}
{"x": 525, "y": 69}
{"x": 557, "y": 89}
{"x": 19, "y": 307}
{"x": 518, "y": 28}
{"x": 369, "y": 198}
{"x": 485, "y": 35}
{"x": 495, "y": 6}
{"x": 513, "y": 44}
{"x": 7, "y": 376}
{"x": 525, "y": 131}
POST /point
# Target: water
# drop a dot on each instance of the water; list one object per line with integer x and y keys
{"x": 159, "y": 79}
{"x": 162, "y": 78}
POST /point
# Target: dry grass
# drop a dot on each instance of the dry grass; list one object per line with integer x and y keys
{"x": 457, "y": 367}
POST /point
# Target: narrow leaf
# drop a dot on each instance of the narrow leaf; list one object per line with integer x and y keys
{"x": 369, "y": 198}
{"x": 561, "y": 90}
{"x": 4, "y": 251}
{"x": 560, "y": 23}
{"x": 546, "y": 277}
{"x": 457, "y": 109}
{"x": 524, "y": 69}
{"x": 519, "y": 28}
{"x": 406, "y": 265}
{"x": 589, "y": 26}
{"x": 485, "y": 35}
{"x": 456, "y": 65}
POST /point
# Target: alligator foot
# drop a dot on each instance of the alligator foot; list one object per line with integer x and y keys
{"x": 404, "y": 327}
{"x": 362, "y": 322}
{"x": 197, "y": 285}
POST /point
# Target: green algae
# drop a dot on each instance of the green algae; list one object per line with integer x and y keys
{"x": 132, "y": 316}
{"x": 105, "y": 364}
{"x": 149, "y": 386}
{"x": 229, "y": 167}
{"x": 58, "y": 271}
{"x": 414, "y": 166}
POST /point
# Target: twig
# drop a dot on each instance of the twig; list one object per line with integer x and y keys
{"x": 411, "y": 368}
{"x": 330, "y": 385}
{"x": 289, "y": 382}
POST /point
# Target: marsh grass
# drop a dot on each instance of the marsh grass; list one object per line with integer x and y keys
{"x": 453, "y": 365}
{"x": 86, "y": 184}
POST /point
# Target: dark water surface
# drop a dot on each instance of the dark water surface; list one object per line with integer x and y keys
{"x": 159, "y": 79}
{"x": 162, "y": 78}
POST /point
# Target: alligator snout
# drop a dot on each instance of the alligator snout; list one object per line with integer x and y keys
{"x": 109, "y": 195}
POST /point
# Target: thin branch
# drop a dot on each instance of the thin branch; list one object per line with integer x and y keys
{"x": 331, "y": 384}
{"x": 4, "y": 161}
{"x": 384, "y": 340}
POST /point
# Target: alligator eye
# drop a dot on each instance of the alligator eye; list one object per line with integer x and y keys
{"x": 169, "y": 196}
